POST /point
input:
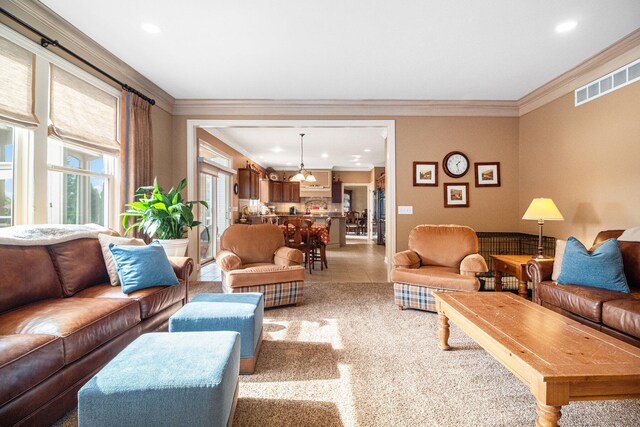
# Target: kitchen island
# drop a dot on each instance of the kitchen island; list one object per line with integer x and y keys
{"x": 337, "y": 234}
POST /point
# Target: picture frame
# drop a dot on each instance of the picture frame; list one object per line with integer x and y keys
{"x": 425, "y": 174}
{"x": 487, "y": 174}
{"x": 456, "y": 194}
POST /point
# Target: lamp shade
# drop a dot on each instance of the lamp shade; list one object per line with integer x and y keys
{"x": 310, "y": 178}
{"x": 297, "y": 177}
{"x": 544, "y": 209}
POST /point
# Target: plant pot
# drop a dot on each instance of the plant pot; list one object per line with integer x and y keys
{"x": 175, "y": 247}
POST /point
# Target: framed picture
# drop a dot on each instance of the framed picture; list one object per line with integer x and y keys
{"x": 456, "y": 195}
{"x": 488, "y": 174}
{"x": 425, "y": 174}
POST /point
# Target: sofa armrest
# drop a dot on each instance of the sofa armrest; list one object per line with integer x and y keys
{"x": 287, "y": 257}
{"x": 182, "y": 266}
{"x": 228, "y": 261}
{"x": 406, "y": 259}
{"x": 540, "y": 270}
{"x": 473, "y": 265}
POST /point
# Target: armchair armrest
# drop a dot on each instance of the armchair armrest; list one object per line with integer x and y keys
{"x": 406, "y": 259}
{"x": 286, "y": 257}
{"x": 473, "y": 265}
{"x": 228, "y": 261}
{"x": 182, "y": 266}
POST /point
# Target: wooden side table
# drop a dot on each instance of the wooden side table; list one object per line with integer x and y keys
{"x": 515, "y": 265}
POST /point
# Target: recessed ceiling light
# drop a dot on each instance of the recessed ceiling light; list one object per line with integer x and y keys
{"x": 357, "y": 156}
{"x": 289, "y": 163}
{"x": 566, "y": 26}
{"x": 277, "y": 150}
{"x": 325, "y": 155}
{"x": 366, "y": 150}
{"x": 150, "y": 28}
{"x": 357, "y": 164}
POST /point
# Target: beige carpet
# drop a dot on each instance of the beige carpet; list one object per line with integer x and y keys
{"x": 349, "y": 357}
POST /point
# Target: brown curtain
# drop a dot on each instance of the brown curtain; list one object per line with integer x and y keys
{"x": 136, "y": 146}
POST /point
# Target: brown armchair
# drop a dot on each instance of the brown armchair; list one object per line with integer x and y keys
{"x": 440, "y": 258}
{"x": 254, "y": 258}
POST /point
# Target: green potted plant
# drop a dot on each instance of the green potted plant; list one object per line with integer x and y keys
{"x": 165, "y": 216}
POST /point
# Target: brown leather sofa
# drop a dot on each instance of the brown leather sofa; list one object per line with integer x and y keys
{"x": 614, "y": 313}
{"x": 253, "y": 258}
{"x": 61, "y": 321}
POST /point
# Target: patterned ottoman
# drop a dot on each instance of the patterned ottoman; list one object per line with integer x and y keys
{"x": 242, "y": 313}
{"x": 166, "y": 379}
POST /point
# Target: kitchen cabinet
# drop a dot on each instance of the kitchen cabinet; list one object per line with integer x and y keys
{"x": 248, "y": 184}
{"x": 280, "y": 192}
{"x": 336, "y": 192}
{"x": 291, "y": 192}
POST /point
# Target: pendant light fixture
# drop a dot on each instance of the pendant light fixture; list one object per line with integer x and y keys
{"x": 303, "y": 174}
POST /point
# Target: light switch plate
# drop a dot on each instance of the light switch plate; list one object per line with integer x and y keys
{"x": 405, "y": 210}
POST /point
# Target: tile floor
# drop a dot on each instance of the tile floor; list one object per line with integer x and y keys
{"x": 360, "y": 261}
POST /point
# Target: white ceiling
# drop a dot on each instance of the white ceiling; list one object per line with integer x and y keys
{"x": 358, "y": 49}
{"x": 279, "y": 147}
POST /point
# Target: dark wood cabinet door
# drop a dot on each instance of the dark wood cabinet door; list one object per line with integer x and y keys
{"x": 244, "y": 183}
{"x": 255, "y": 185}
{"x": 286, "y": 192}
{"x": 295, "y": 192}
{"x": 336, "y": 192}
{"x": 275, "y": 192}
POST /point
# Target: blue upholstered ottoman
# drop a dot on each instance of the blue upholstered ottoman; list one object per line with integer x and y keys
{"x": 162, "y": 379}
{"x": 242, "y": 313}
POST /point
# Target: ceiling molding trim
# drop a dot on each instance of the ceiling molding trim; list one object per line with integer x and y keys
{"x": 46, "y": 21}
{"x": 619, "y": 54}
{"x": 214, "y": 107}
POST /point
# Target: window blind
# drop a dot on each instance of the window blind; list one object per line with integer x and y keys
{"x": 83, "y": 114}
{"x": 17, "y": 90}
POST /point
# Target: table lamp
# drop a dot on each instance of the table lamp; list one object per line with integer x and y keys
{"x": 542, "y": 209}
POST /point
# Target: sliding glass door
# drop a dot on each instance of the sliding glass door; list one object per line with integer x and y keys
{"x": 214, "y": 189}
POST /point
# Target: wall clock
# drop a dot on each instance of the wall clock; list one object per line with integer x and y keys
{"x": 456, "y": 164}
{"x": 235, "y": 188}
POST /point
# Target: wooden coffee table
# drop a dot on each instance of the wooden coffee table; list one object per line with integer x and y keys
{"x": 559, "y": 359}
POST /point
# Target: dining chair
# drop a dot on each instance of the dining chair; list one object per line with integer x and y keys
{"x": 297, "y": 234}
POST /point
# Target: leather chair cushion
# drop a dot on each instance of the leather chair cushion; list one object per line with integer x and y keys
{"x": 435, "y": 277}
{"x": 623, "y": 315}
{"x": 252, "y": 243}
{"x": 581, "y": 300}
{"x": 26, "y": 360}
{"x": 443, "y": 245}
{"x": 80, "y": 264}
{"x": 28, "y": 275}
{"x": 83, "y": 323}
{"x": 152, "y": 300}
{"x": 263, "y": 274}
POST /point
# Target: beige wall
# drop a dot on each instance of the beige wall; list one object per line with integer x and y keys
{"x": 354, "y": 177}
{"x": 429, "y": 139}
{"x": 358, "y": 197}
{"x": 587, "y": 160}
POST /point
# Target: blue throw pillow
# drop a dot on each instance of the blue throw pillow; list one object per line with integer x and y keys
{"x": 141, "y": 267}
{"x": 602, "y": 268}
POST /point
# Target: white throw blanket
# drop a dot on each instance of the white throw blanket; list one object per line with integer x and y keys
{"x": 49, "y": 234}
{"x": 630, "y": 235}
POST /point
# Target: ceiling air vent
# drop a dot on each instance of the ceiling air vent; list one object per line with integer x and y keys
{"x": 612, "y": 81}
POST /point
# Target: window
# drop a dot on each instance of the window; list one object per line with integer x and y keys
{"x": 6, "y": 175}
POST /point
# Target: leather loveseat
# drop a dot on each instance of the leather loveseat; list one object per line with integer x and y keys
{"x": 614, "y": 313}
{"x": 61, "y": 321}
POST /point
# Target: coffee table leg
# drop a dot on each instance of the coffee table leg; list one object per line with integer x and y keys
{"x": 443, "y": 331}
{"x": 497, "y": 277}
{"x": 548, "y": 416}
{"x": 522, "y": 289}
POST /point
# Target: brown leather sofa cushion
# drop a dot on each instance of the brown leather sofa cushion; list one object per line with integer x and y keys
{"x": 26, "y": 275}
{"x": 26, "y": 360}
{"x": 252, "y": 243}
{"x": 623, "y": 315}
{"x": 435, "y": 277}
{"x": 83, "y": 323}
{"x": 80, "y": 264}
{"x": 581, "y": 300}
{"x": 152, "y": 300}
{"x": 263, "y": 274}
{"x": 443, "y": 245}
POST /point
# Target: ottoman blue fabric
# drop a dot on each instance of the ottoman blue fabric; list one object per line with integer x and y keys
{"x": 164, "y": 379}
{"x": 242, "y": 313}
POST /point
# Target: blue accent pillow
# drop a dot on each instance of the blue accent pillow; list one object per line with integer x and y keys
{"x": 141, "y": 267}
{"x": 601, "y": 268}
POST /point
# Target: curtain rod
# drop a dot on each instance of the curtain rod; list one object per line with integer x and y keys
{"x": 46, "y": 41}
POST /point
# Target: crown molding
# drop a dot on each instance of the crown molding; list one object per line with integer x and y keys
{"x": 45, "y": 20}
{"x": 619, "y": 54}
{"x": 258, "y": 107}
